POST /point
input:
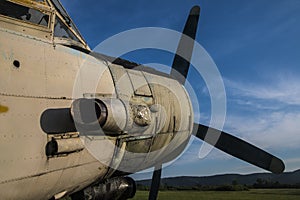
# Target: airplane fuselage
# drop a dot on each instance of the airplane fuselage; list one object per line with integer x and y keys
{"x": 36, "y": 75}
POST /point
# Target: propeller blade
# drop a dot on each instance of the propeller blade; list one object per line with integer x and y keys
{"x": 180, "y": 66}
{"x": 240, "y": 149}
{"x": 156, "y": 177}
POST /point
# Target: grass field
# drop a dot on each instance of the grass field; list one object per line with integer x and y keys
{"x": 255, "y": 194}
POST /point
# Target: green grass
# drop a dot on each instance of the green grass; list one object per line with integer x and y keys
{"x": 255, "y": 194}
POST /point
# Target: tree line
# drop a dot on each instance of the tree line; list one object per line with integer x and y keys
{"x": 234, "y": 186}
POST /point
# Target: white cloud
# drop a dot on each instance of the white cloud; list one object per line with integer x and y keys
{"x": 292, "y": 160}
{"x": 274, "y": 119}
{"x": 254, "y": 104}
{"x": 286, "y": 90}
{"x": 271, "y": 125}
{"x": 270, "y": 130}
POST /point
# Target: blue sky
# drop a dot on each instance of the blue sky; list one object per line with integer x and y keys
{"x": 255, "y": 45}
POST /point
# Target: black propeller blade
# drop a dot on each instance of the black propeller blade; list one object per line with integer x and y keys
{"x": 180, "y": 69}
{"x": 180, "y": 66}
{"x": 156, "y": 177}
{"x": 239, "y": 148}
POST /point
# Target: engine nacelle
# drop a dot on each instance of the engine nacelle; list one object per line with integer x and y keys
{"x": 149, "y": 116}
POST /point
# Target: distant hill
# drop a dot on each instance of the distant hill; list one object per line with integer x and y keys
{"x": 290, "y": 178}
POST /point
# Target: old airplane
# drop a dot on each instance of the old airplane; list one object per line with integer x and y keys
{"x": 133, "y": 119}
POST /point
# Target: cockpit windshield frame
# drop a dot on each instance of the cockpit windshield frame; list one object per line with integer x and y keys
{"x": 45, "y": 19}
{"x": 66, "y": 23}
{"x": 65, "y": 15}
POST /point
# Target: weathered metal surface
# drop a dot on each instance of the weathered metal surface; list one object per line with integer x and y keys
{"x": 139, "y": 83}
{"x": 117, "y": 188}
{"x": 149, "y": 116}
{"x": 37, "y": 83}
{"x": 66, "y": 146}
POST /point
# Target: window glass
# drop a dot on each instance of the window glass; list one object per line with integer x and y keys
{"x": 61, "y": 30}
{"x": 65, "y": 15}
{"x": 23, "y": 13}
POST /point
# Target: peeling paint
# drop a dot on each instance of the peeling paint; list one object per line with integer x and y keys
{"x": 3, "y": 109}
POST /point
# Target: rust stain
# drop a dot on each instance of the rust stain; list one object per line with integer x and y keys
{"x": 3, "y": 109}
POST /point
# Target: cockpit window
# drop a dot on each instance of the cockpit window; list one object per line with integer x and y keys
{"x": 61, "y": 30}
{"x": 23, "y": 13}
{"x": 65, "y": 16}
{"x": 51, "y": 17}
